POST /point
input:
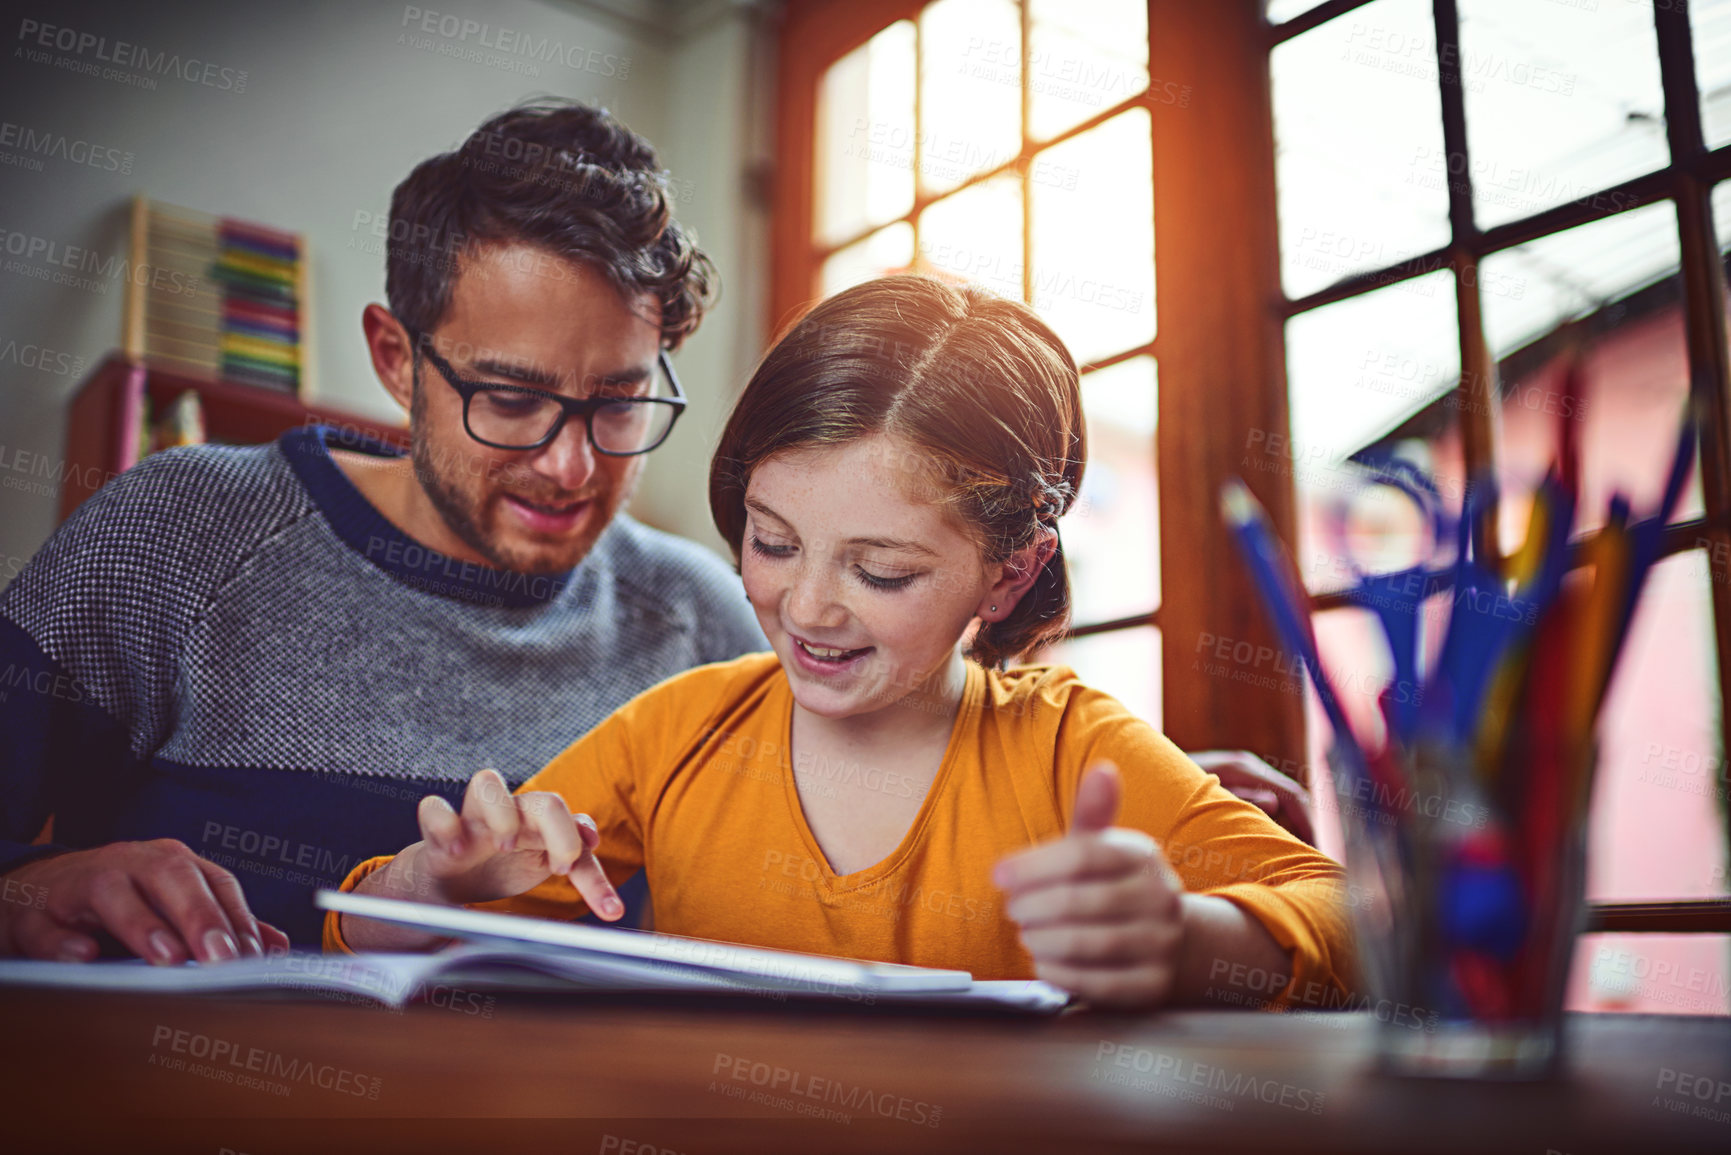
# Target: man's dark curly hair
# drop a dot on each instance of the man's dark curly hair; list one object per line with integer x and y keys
{"x": 561, "y": 176}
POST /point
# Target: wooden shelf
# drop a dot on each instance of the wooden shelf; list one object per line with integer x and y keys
{"x": 102, "y": 420}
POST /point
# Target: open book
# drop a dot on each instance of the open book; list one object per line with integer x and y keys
{"x": 507, "y": 956}
{"x": 650, "y": 956}
{"x": 619, "y": 959}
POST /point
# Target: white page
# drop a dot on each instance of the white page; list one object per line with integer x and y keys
{"x": 389, "y": 978}
{"x": 487, "y": 964}
{"x": 658, "y": 955}
{"x": 1021, "y": 994}
{"x": 393, "y": 979}
{"x": 486, "y": 967}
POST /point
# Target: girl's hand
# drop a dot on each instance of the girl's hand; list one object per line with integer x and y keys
{"x": 501, "y": 845}
{"x": 1099, "y": 909}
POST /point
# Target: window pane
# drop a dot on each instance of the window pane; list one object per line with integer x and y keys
{"x": 1358, "y": 144}
{"x": 1111, "y": 537}
{"x": 1084, "y": 56}
{"x": 889, "y": 250}
{"x": 1620, "y": 277}
{"x": 1280, "y": 11}
{"x": 865, "y": 136}
{"x": 976, "y": 235}
{"x": 1532, "y": 288}
{"x": 1124, "y": 663}
{"x": 1710, "y": 21}
{"x": 970, "y": 89}
{"x": 1655, "y": 829}
{"x": 1355, "y": 654}
{"x": 1635, "y": 383}
{"x": 1657, "y": 974}
{"x": 1359, "y": 367}
{"x": 1124, "y": 397}
{"x": 1355, "y": 371}
{"x": 1561, "y": 102}
{"x": 1093, "y": 266}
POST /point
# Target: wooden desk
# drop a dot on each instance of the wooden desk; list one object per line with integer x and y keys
{"x": 87, "y": 1073}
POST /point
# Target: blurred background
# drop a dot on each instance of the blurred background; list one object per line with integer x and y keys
{"x": 1278, "y": 238}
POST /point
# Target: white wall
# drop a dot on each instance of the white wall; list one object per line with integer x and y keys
{"x": 336, "y": 106}
{"x": 715, "y": 133}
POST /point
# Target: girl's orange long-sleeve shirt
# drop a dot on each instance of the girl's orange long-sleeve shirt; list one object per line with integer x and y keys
{"x": 693, "y": 783}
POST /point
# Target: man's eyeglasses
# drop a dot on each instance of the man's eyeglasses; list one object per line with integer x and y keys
{"x": 518, "y": 417}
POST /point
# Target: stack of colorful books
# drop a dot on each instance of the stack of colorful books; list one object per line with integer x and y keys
{"x": 261, "y": 313}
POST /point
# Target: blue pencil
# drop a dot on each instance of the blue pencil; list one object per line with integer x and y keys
{"x": 1286, "y": 605}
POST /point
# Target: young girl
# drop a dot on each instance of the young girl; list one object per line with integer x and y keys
{"x": 879, "y": 787}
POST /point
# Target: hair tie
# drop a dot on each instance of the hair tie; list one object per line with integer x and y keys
{"x": 1051, "y": 501}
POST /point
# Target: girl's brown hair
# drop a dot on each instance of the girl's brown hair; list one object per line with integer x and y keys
{"x": 977, "y": 386}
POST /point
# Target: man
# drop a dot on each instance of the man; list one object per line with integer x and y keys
{"x": 243, "y": 666}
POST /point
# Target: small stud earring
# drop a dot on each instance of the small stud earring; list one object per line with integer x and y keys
{"x": 994, "y": 609}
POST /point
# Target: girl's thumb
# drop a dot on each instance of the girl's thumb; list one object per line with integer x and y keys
{"x": 1097, "y": 799}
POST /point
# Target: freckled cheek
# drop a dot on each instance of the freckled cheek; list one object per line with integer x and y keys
{"x": 761, "y": 587}
{"x": 911, "y": 628}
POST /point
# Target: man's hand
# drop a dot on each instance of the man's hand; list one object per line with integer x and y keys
{"x": 1261, "y": 785}
{"x": 159, "y": 899}
{"x": 1099, "y": 909}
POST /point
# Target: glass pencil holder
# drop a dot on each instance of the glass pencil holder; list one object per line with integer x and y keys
{"x": 1466, "y": 921}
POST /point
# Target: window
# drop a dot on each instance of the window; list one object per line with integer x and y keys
{"x": 1521, "y": 188}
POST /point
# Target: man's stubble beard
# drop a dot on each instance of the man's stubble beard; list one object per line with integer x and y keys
{"x": 461, "y": 514}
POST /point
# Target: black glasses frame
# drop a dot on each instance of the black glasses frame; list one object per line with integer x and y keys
{"x": 570, "y": 407}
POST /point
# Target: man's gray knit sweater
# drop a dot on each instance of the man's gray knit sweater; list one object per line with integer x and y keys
{"x": 232, "y": 647}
